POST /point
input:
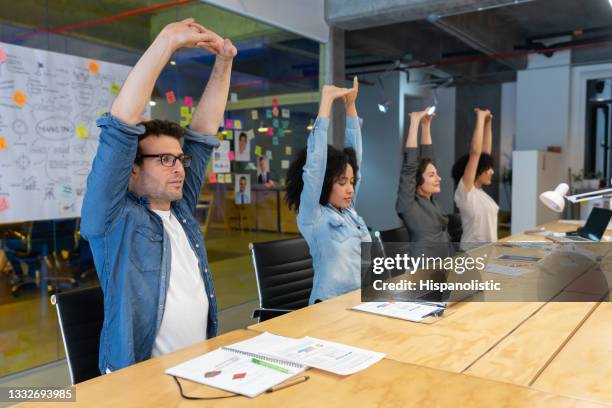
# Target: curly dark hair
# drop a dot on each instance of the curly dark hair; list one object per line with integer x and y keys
{"x": 158, "y": 127}
{"x": 337, "y": 160}
{"x": 485, "y": 163}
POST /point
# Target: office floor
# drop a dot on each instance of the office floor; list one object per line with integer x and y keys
{"x": 29, "y": 335}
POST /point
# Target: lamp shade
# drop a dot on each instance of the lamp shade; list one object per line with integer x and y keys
{"x": 555, "y": 199}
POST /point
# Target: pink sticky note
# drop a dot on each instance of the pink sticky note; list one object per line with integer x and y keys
{"x": 188, "y": 101}
{"x": 170, "y": 97}
{"x": 212, "y": 177}
{"x": 270, "y": 131}
{"x": 229, "y": 124}
{"x": 3, "y": 204}
{"x": 232, "y": 155}
{"x": 3, "y": 56}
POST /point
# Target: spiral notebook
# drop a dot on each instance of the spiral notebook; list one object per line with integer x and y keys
{"x": 239, "y": 368}
{"x": 252, "y": 366}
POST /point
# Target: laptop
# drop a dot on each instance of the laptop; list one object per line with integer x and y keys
{"x": 593, "y": 229}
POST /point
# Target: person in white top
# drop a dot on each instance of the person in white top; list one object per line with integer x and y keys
{"x": 472, "y": 171}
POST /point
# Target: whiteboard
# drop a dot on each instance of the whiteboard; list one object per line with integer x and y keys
{"x": 49, "y": 103}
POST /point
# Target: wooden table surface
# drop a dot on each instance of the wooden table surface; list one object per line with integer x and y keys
{"x": 388, "y": 383}
{"x": 480, "y": 354}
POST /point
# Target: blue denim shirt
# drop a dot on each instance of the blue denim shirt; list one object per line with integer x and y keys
{"x": 334, "y": 237}
{"x": 130, "y": 246}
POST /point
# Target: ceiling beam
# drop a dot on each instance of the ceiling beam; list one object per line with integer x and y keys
{"x": 485, "y": 32}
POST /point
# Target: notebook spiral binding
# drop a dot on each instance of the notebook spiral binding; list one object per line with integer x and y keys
{"x": 267, "y": 358}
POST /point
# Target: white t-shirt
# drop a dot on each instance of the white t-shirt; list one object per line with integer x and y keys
{"x": 185, "y": 317}
{"x": 478, "y": 214}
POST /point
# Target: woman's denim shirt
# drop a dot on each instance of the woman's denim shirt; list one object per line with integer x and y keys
{"x": 334, "y": 236}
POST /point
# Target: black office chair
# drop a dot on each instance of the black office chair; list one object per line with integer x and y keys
{"x": 283, "y": 270}
{"x": 80, "y": 314}
{"x": 39, "y": 247}
{"x": 394, "y": 237}
{"x": 455, "y": 228}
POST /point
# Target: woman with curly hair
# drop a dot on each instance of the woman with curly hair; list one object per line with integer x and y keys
{"x": 322, "y": 184}
{"x": 471, "y": 172}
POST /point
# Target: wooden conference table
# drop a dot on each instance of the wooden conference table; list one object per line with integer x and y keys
{"x": 480, "y": 354}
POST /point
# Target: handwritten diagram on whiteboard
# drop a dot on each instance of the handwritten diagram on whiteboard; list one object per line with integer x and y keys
{"x": 49, "y": 103}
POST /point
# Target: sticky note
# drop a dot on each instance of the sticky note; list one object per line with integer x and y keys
{"x": 268, "y": 113}
{"x": 254, "y": 114}
{"x": 228, "y": 178}
{"x": 82, "y": 132}
{"x": 20, "y": 98}
{"x": 275, "y": 123}
{"x": 233, "y": 97}
{"x": 115, "y": 88}
{"x": 285, "y": 124}
{"x": 3, "y": 143}
{"x": 232, "y": 155}
{"x": 185, "y": 111}
{"x": 275, "y": 101}
{"x": 269, "y": 154}
{"x": 238, "y": 124}
{"x": 229, "y": 124}
{"x": 250, "y": 134}
{"x": 3, "y": 56}
{"x": 170, "y": 97}
{"x": 275, "y": 140}
{"x": 284, "y": 164}
{"x": 285, "y": 113}
{"x": 229, "y": 135}
{"x": 184, "y": 122}
{"x": 188, "y": 100}
{"x": 257, "y": 150}
{"x": 221, "y": 135}
{"x": 93, "y": 67}
{"x": 212, "y": 177}
{"x": 275, "y": 111}
{"x": 270, "y": 131}
{"x": 4, "y": 205}
{"x": 288, "y": 150}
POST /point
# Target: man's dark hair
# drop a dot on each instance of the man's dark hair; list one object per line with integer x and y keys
{"x": 485, "y": 163}
{"x": 337, "y": 160}
{"x": 158, "y": 127}
{"x": 242, "y": 178}
{"x": 242, "y": 136}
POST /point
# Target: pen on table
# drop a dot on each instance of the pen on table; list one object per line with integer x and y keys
{"x": 286, "y": 384}
{"x": 435, "y": 313}
{"x": 269, "y": 365}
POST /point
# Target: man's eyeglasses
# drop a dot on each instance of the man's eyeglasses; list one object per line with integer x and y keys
{"x": 168, "y": 159}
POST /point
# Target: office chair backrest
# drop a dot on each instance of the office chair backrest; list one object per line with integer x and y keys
{"x": 455, "y": 228}
{"x": 400, "y": 234}
{"x": 393, "y": 236}
{"x": 80, "y": 314}
{"x": 284, "y": 273}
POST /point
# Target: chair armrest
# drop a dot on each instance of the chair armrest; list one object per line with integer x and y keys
{"x": 263, "y": 313}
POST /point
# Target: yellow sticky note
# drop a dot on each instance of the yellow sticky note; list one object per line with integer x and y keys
{"x": 185, "y": 111}
{"x": 82, "y": 132}
{"x": 228, "y": 178}
{"x": 115, "y": 88}
{"x": 257, "y": 150}
{"x": 93, "y": 67}
{"x": 229, "y": 135}
{"x": 288, "y": 150}
{"x": 20, "y": 98}
{"x": 237, "y": 124}
{"x": 183, "y": 122}
{"x": 3, "y": 143}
